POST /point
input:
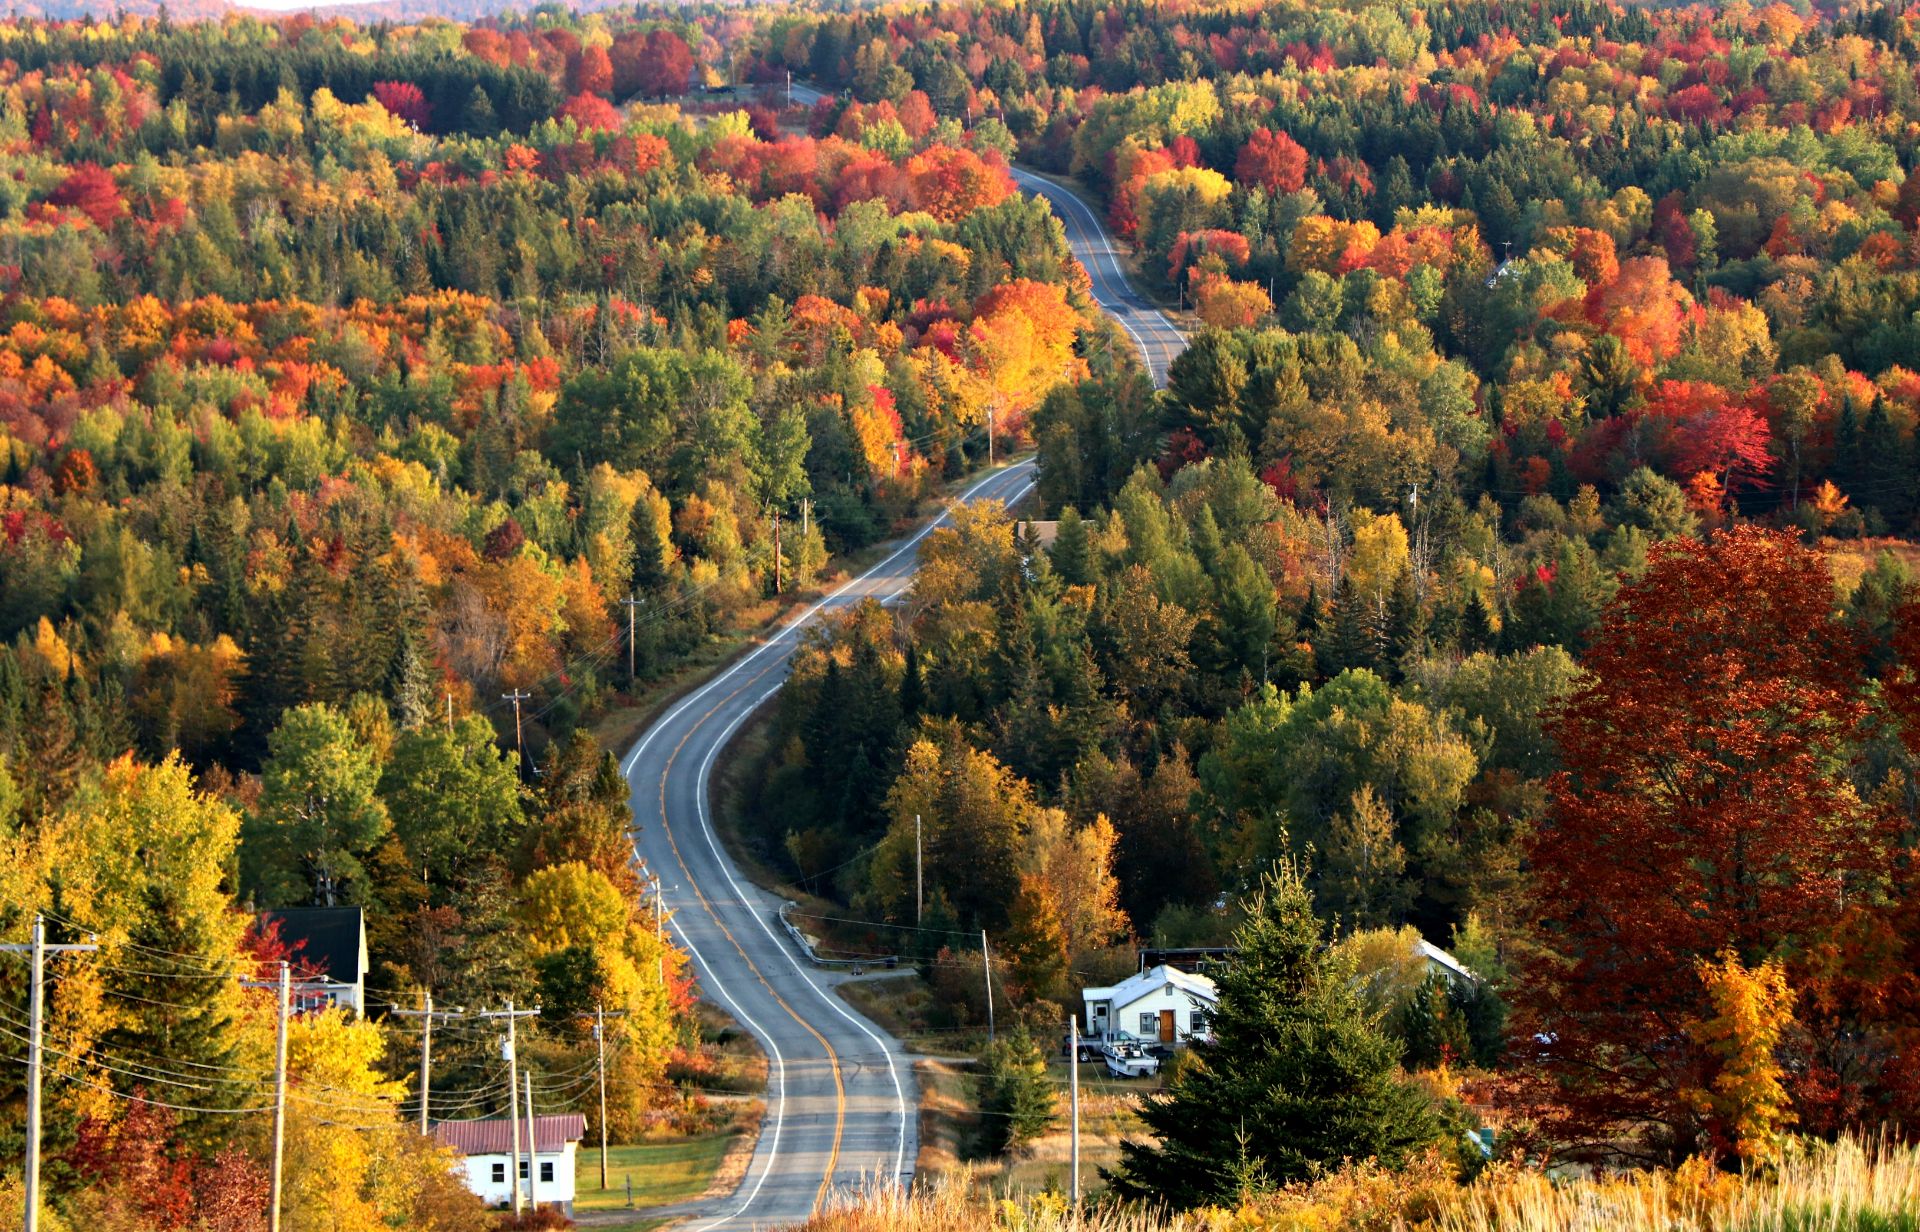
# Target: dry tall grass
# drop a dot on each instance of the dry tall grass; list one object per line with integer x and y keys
{"x": 1850, "y": 1187}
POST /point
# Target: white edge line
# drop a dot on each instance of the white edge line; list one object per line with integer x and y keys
{"x": 780, "y": 1067}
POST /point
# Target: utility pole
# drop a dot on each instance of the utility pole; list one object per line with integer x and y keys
{"x": 986, "y": 963}
{"x": 449, "y": 693}
{"x": 600, "y": 1038}
{"x": 789, "y": 87}
{"x": 283, "y": 997}
{"x": 279, "y": 1099}
{"x": 989, "y": 438}
{"x": 660, "y": 930}
{"x": 919, "y": 869}
{"x": 533, "y": 1151}
{"x": 519, "y": 749}
{"x": 630, "y": 603}
{"x": 776, "y": 551}
{"x": 1073, "y": 1086}
{"x": 426, "y": 1014}
{"x": 512, "y": 1050}
{"x": 37, "y": 950}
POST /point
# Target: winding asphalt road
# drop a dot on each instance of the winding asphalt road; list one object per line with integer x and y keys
{"x": 841, "y": 1101}
{"x": 1151, "y": 331}
{"x": 841, "y": 1098}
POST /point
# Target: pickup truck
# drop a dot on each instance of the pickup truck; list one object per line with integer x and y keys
{"x": 1125, "y": 1054}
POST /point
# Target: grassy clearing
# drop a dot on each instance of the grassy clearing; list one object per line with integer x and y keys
{"x": 1819, "y": 1188}
{"x": 1850, "y": 558}
{"x": 949, "y": 1120}
{"x": 662, "y": 1173}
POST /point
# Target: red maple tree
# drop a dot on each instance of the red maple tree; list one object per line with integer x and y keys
{"x": 1272, "y": 160}
{"x": 590, "y": 71}
{"x": 1705, "y": 806}
{"x": 405, "y": 100}
{"x": 90, "y": 188}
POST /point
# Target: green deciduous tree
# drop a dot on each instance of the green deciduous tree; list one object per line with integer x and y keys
{"x": 319, "y": 811}
{"x": 453, "y": 796}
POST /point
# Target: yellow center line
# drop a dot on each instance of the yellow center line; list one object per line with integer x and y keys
{"x": 833, "y": 1058}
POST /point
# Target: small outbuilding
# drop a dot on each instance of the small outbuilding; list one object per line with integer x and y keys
{"x": 486, "y": 1148}
{"x": 1163, "y": 1004}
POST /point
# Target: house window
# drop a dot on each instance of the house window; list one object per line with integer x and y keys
{"x": 523, "y": 1169}
{"x": 546, "y": 1172}
{"x": 1199, "y": 1022}
{"x": 499, "y": 1174}
{"x": 1149, "y": 1024}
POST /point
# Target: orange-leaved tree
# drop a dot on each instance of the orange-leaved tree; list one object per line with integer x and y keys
{"x": 1705, "y": 807}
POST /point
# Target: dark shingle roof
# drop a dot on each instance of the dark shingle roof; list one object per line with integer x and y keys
{"x": 324, "y": 937}
{"x": 495, "y": 1137}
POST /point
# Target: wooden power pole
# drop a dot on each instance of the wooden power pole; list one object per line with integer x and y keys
{"x": 37, "y": 950}
{"x": 630, "y": 603}
{"x": 511, "y": 1047}
{"x": 519, "y": 747}
{"x": 426, "y": 1014}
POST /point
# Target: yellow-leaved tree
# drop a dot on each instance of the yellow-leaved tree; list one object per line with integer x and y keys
{"x": 353, "y": 1164}
{"x": 1746, "y": 1102}
{"x": 595, "y": 947}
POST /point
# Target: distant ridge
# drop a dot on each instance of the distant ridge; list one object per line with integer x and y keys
{"x": 369, "y": 11}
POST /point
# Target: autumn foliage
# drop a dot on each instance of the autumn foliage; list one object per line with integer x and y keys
{"x": 1705, "y": 809}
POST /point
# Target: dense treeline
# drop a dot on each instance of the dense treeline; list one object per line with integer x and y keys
{"x": 351, "y": 378}
{"x": 1502, "y": 314}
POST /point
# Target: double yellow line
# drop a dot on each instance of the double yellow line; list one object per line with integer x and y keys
{"x": 666, "y": 827}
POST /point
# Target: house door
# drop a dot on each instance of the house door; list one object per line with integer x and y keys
{"x": 1166, "y": 1026}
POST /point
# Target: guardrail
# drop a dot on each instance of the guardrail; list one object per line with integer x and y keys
{"x": 856, "y": 965}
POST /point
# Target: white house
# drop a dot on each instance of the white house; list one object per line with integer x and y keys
{"x": 1439, "y": 962}
{"x": 1164, "y": 1004}
{"x": 328, "y": 949}
{"x": 487, "y": 1151}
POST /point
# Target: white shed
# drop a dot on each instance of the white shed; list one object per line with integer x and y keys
{"x": 486, "y": 1148}
{"x": 1164, "y": 1004}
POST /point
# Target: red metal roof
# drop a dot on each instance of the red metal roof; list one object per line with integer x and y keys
{"x": 495, "y": 1137}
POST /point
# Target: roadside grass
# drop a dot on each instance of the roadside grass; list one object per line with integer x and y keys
{"x": 1843, "y": 1187}
{"x": 727, "y": 1062}
{"x": 903, "y": 1005}
{"x": 665, "y": 1172}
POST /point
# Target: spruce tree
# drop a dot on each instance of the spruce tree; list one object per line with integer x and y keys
{"x": 1294, "y": 1056}
{"x": 1017, "y": 1101}
{"x": 1072, "y": 551}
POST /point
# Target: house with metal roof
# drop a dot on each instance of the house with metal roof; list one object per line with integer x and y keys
{"x": 486, "y": 1150}
{"x": 1163, "y": 1003}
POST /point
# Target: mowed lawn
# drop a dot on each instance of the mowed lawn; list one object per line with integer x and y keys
{"x": 662, "y": 1172}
